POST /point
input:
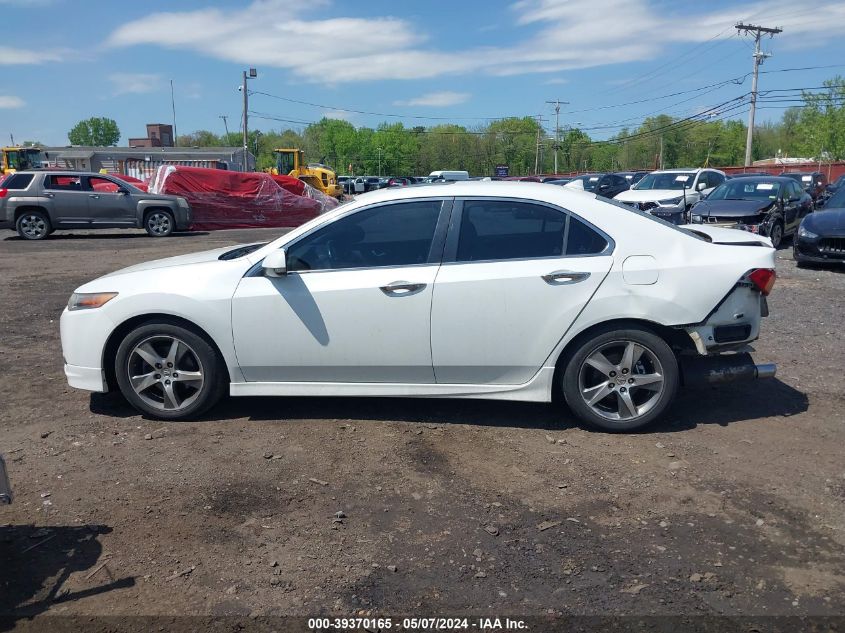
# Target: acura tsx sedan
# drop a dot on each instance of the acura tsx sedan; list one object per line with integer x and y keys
{"x": 497, "y": 290}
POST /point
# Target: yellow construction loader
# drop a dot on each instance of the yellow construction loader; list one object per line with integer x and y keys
{"x": 291, "y": 162}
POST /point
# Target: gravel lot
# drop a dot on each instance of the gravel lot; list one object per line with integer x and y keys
{"x": 734, "y": 505}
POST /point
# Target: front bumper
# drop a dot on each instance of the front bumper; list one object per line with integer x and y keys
{"x": 87, "y": 378}
{"x": 819, "y": 250}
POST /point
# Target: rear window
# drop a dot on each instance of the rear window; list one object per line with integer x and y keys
{"x": 17, "y": 181}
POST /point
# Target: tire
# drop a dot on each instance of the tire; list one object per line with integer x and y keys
{"x": 192, "y": 384}
{"x": 776, "y": 235}
{"x": 33, "y": 225}
{"x": 599, "y": 366}
{"x": 159, "y": 223}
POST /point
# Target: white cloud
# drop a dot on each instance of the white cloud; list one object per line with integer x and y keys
{"x": 436, "y": 99}
{"x": 556, "y": 81}
{"x": 556, "y": 36}
{"x": 19, "y": 55}
{"x": 135, "y": 83}
{"x": 9, "y": 102}
{"x": 339, "y": 114}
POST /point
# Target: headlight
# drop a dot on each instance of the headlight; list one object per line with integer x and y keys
{"x": 802, "y": 232}
{"x": 671, "y": 202}
{"x": 183, "y": 203}
{"x": 89, "y": 300}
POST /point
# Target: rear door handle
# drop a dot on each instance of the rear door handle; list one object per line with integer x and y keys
{"x": 93, "y": 195}
{"x": 401, "y": 288}
{"x": 48, "y": 195}
{"x": 563, "y": 277}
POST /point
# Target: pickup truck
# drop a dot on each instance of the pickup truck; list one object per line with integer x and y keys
{"x": 36, "y": 203}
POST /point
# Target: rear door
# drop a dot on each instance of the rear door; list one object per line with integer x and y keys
{"x": 107, "y": 205}
{"x": 515, "y": 276}
{"x": 70, "y": 202}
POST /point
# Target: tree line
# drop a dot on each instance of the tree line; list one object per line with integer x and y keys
{"x": 815, "y": 127}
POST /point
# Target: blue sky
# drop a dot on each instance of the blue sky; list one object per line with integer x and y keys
{"x": 65, "y": 60}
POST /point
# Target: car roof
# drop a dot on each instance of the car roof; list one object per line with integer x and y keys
{"x": 780, "y": 179}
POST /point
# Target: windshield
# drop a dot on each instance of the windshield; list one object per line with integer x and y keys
{"x": 746, "y": 190}
{"x": 837, "y": 200}
{"x": 666, "y": 180}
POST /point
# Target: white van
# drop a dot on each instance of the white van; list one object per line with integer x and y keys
{"x": 448, "y": 175}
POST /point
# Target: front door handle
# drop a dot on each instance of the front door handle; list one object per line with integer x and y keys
{"x": 563, "y": 277}
{"x": 48, "y": 195}
{"x": 401, "y": 288}
{"x": 93, "y": 195}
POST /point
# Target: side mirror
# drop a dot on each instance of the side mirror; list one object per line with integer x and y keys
{"x": 701, "y": 186}
{"x": 275, "y": 264}
{"x": 123, "y": 190}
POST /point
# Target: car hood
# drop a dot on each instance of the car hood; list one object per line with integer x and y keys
{"x": 826, "y": 220}
{"x": 650, "y": 195}
{"x": 179, "y": 260}
{"x": 731, "y": 208}
{"x": 723, "y": 235}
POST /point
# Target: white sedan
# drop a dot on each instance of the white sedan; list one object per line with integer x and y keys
{"x": 498, "y": 290}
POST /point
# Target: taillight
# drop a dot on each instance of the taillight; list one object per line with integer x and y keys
{"x": 3, "y": 193}
{"x": 763, "y": 279}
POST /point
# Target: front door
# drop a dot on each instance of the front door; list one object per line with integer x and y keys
{"x": 107, "y": 205}
{"x": 515, "y": 276}
{"x": 355, "y": 305}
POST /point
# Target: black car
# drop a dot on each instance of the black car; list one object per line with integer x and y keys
{"x": 770, "y": 206}
{"x": 821, "y": 236}
{"x": 607, "y": 185}
{"x": 633, "y": 177}
{"x": 813, "y": 182}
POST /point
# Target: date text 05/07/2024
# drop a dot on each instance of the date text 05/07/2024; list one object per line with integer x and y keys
{"x": 418, "y": 624}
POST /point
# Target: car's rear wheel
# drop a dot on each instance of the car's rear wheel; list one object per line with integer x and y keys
{"x": 159, "y": 223}
{"x": 167, "y": 371}
{"x": 621, "y": 379}
{"x": 34, "y": 225}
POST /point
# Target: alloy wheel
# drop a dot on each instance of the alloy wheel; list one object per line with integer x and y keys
{"x": 165, "y": 372}
{"x": 33, "y": 226}
{"x": 621, "y": 380}
{"x": 159, "y": 223}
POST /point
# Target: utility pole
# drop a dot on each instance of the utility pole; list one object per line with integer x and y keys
{"x": 225, "y": 125}
{"x": 758, "y": 59}
{"x": 661, "y": 152}
{"x": 556, "y": 104}
{"x": 379, "y": 161}
{"x": 537, "y": 151}
{"x": 252, "y": 75}
{"x": 173, "y": 106}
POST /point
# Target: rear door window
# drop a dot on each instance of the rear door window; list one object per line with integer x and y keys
{"x": 63, "y": 183}
{"x": 501, "y": 230}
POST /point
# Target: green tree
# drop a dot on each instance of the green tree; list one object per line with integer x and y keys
{"x": 97, "y": 131}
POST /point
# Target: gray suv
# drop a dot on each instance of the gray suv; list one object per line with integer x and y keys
{"x": 36, "y": 203}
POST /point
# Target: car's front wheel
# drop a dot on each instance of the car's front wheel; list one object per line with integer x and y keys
{"x": 621, "y": 379}
{"x": 167, "y": 371}
{"x": 159, "y": 223}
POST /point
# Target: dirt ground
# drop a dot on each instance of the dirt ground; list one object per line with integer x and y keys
{"x": 734, "y": 505}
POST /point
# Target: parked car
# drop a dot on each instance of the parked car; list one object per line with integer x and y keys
{"x": 669, "y": 194}
{"x": 346, "y": 183}
{"x": 607, "y": 185}
{"x": 5, "y": 486}
{"x": 767, "y": 205}
{"x": 603, "y": 303}
{"x": 448, "y": 175}
{"x": 559, "y": 181}
{"x": 836, "y": 185}
{"x": 399, "y": 182}
{"x": 821, "y": 235}
{"x": 633, "y": 177}
{"x": 813, "y": 182}
{"x": 36, "y": 203}
{"x": 372, "y": 183}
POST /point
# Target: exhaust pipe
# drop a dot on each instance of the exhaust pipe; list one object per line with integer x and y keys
{"x": 716, "y": 370}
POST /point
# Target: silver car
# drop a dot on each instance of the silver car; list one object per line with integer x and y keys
{"x": 36, "y": 203}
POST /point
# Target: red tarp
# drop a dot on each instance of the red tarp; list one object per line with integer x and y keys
{"x": 223, "y": 199}
{"x": 136, "y": 182}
